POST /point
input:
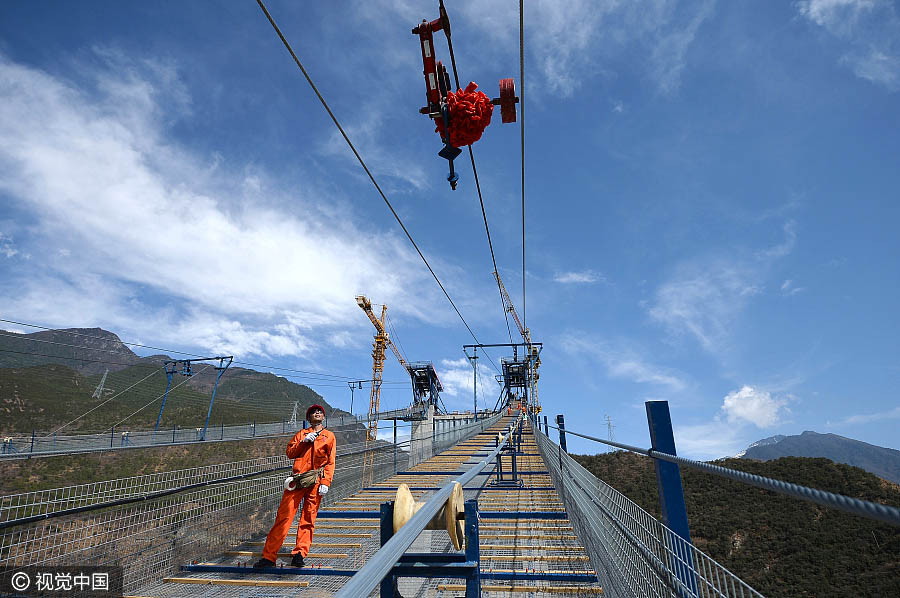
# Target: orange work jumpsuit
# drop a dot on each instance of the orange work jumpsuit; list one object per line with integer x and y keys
{"x": 306, "y": 456}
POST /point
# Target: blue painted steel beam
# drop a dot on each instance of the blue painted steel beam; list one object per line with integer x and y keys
{"x": 482, "y": 514}
{"x": 271, "y": 570}
{"x": 668, "y": 480}
{"x": 485, "y": 573}
{"x": 433, "y": 557}
{"x": 347, "y": 515}
{"x": 668, "y": 475}
{"x": 479, "y": 489}
{"x": 462, "y": 472}
{"x": 523, "y": 514}
{"x": 538, "y": 576}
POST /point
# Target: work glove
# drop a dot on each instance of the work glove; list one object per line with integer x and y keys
{"x": 310, "y": 437}
{"x": 323, "y": 489}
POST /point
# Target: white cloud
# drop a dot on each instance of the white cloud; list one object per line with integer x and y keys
{"x": 7, "y": 247}
{"x": 669, "y": 51}
{"x": 729, "y": 431}
{"x": 458, "y": 379}
{"x": 788, "y": 289}
{"x": 785, "y": 247}
{"x": 749, "y": 404}
{"x": 711, "y": 440}
{"x": 704, "y": 300}
{"x": 584, "y": 277}
{"x": 625, "y": 363}
{"x": 834, "y": 13}
{"x": 871, "y": 29}
{"x": 868, "y": 418}
{"x": 704, "y": 297}
{"x": 237, "y": 262}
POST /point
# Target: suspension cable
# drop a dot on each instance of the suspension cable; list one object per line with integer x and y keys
{"x": 522, "y": 131}
{"x": 366, "y": 169}
{"x": 478, "y": 187}
{"x": 155, "y": 371}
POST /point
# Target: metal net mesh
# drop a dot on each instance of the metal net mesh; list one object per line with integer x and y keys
{"x": 633, "y": 553}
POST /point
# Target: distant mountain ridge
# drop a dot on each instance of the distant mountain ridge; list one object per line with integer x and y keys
{"x": 763, "y": 442}
{"x": 85, "y": 350}
{"x": 881, "y": 461}
{"x": 48, "y": 377}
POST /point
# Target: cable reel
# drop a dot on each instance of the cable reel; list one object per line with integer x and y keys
{"x": 450, "y": 517}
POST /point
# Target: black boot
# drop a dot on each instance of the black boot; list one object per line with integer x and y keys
{"x": 263, "y": 563}
{"x": 297, "y": 560}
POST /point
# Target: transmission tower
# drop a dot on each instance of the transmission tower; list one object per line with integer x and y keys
{"x": 98, "y": 392}
{"x": 610, "y": 435}
{"x": 293, "y": 420}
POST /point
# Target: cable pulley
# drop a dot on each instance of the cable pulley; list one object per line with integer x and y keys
{"x": 461, "y": 116}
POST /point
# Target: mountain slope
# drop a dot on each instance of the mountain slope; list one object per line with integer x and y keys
{"x": 47, "y": 379}
{"x": 86, "y": 350}
{"x": 779, "y": 545}
{"x": 883, "y": 462}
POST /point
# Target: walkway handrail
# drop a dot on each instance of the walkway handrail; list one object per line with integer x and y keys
{"x": 848, "y": 504}
{"x": 381, "y": 563}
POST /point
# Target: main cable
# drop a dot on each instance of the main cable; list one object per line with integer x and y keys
{"x": 522, "y": 130}
{"x": 366, "y": 168}
{"x": 478, "y": 188}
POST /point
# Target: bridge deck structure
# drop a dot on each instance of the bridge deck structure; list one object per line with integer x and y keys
{"x": 527, "y": 544}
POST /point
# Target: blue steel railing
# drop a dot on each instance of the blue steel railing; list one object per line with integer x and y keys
{"x": 633, "y": 553}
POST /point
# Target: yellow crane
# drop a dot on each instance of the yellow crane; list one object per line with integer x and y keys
{"x": 382, "y": 341}
{"x": 534, "y": 358}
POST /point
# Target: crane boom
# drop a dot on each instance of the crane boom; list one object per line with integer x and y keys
{"x": 510, "y": 308}
{"x": 366, "y": 306}
{"x": 533, "y": 354}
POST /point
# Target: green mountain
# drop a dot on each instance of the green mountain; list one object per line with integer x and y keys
{"x": 47, "y": 379}
{"x": 883, "y": 462}
{"x": 779, "y": 545}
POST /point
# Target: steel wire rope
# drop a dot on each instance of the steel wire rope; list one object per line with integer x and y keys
{"x": 100, "y": 405}
{"x": 160, "y": 396}
{"x": 522, "y": 133}
{"x": 849, "y": 504}
{"x": 304, "y": 376}
{"x": 152, "y": 495}
{"x": 247, "y": 404}
{"x": 131, "y": 344}
{"x": 670, "y": 539}
{"x": 368, "y": 172}
{"x": 478, "y": 188}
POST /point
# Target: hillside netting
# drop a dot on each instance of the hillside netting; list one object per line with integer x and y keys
{"x": 152, "y": 524}
{"x": 633, "y": 553}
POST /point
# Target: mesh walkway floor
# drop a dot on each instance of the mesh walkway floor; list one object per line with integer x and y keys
{"x": 346, "y": 543}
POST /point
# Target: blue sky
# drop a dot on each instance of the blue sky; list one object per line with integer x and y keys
{"x": 711, "y": 199}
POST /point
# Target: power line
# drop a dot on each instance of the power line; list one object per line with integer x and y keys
{"x": 366, "y": 168}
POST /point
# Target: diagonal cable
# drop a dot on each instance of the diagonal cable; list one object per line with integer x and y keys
{"x": 366, "y": 168}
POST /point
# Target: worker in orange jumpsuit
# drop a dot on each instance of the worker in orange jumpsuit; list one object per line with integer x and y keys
{"x": 311, "y": 448}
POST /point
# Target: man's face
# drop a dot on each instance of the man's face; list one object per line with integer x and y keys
{"x": 316, "y": 416}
